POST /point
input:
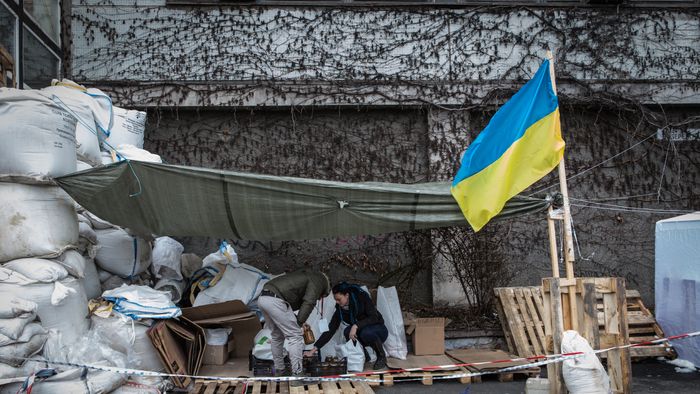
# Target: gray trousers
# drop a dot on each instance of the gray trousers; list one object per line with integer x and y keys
{"x": 282, "y": 322}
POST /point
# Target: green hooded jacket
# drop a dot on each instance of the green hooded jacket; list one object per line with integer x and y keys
{"x": 301, "y": 289}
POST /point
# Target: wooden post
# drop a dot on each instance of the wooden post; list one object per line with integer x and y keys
{"x": 568, "y": 237}
{"x": 556, "y": 380}
{"x": 552, "y": 243}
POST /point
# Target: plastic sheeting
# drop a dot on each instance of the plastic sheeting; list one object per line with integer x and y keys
{"x": 152, "y": 198}
{"x": 678, "y": 281}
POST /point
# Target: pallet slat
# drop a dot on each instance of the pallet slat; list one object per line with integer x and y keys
{"x": 271, "y": 387}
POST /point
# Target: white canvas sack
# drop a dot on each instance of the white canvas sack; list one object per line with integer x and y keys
{"x": 38, "y": 136}
{"x": 35, "y": 221}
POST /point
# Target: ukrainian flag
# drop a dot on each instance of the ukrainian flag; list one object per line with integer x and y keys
{"x": 520, "y": 145}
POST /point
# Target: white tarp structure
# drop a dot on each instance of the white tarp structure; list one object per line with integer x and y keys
{"x": 678, "y": 281}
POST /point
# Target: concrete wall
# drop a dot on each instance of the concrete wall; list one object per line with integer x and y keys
{"x": 396, "y": 94}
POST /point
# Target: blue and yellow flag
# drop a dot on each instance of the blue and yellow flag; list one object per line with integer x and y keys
{"x": 521, "y": 144}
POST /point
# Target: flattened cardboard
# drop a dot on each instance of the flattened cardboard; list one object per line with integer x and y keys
{"x": 234, "y": 314}
{"x": 180, "y": 345}
{"x": 428, "y": 336}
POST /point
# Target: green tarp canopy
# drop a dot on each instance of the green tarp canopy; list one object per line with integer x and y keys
{"x": 174, "y": 200}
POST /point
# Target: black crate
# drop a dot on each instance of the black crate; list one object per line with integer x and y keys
{"x": 330, "y": 367}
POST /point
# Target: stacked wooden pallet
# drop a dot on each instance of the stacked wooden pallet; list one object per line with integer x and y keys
{"x": 263, "y": 387}
{"x": 522, "y": 314}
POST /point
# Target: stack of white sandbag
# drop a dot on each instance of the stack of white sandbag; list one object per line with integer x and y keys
{"x": 42, "y": 275}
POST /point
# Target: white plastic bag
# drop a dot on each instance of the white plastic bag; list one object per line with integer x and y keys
{"x": 388, "y": 305}
{"x": 584, "y": 374}
{"x": 166, "y": 258}
{"x": 352, "y": 350}
{"x": 35, "y": 221}
{"x": 38, "y": 136}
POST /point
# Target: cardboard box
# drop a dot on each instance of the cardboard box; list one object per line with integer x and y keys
{"x": 428, "y": 335}
{"x": 234, "y": 314}
{"x": 218, "y": 354}
{"x": 180, "y": 345}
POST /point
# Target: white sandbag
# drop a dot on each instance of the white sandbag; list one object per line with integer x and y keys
{"x": 129, "y": 337}
{"x": 85, "y": 231}
{"x": 29, "y": 367}
{"x": 166, "y": 258}
{"x": 104, "y": 275}
{"x": 130, "y": 152}
{"x": 225, "y": 255}
{"x": 61, "y": 305}
{"x": 388, "y": 305}
{"x": 584, "y": 374}
{"x": 38, "y": 136}
{"x": 174, "y": 287}
{"x": 82, "y": 166}
{"x": 121, "y": 253}
{"x": 8, "y": 276}
{"x": 35, "y": 221}
{"x": 189, "y": 263}
{"x": 28, "y": 332}
{"x": 352, "y": 350}
{"x": 41, "y": 270}
{"x": 73, "y": 262}
{"x": 13, "y": 328}
{"x": 81, "y": 106}
{"x": 14, "y": 306}
{"x": 97, "y": 223}
{"x": 15, "y": 353}
{"x": 73, "y": 382}
{"x": 128, "y": 128}
{"x": 237, "y": 283}
{"x": 91, "y": 280}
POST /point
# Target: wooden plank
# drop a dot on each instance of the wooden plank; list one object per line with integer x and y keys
{"x": 387, "y": 380}
{"x": 533, "y": 341}
{"x": 346, "y": 387}
{"x": 271, "y": 387}
{"x": 296, "y": 389}
{"x": 283, "y": 387}
{"x": 198, "y": 386}
{"x": 329, "y": 388}
{"x": 362, "y": 388}
{"x": 505, "y": 377}
{"x": 536, "y": 318}
{"x": 240, "y": 388}
{"x": 516, "y": 326}
{"x": 625, "y": 361}
{"x": 257, "y": 386}
{"x": 501, "y": 298}
{"x": 210, "y": 388}
{"x": 314, "y": 389}
{"x": 427, "y": 379}
{"x": 590, "y": 328}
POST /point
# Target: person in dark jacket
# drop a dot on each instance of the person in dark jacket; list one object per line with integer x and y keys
{"x": 280, "y": 297}
{"x": 355, "y": 308}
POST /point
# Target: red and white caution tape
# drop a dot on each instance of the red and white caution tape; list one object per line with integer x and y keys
{"x": 532, "y": 361}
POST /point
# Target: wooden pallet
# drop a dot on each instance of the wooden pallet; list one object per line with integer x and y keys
{"x": 425, "y": 377}
{"x": 465, "y": 356}
{"x": 262, "y": 387}
{"x": 521, "y": 312}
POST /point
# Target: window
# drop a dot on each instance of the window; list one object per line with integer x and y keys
{"x": 30, "y": 32}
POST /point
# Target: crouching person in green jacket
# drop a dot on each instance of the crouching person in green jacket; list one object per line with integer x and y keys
{"x": 279, "y": 299}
